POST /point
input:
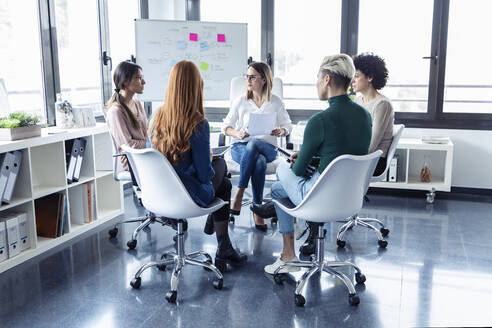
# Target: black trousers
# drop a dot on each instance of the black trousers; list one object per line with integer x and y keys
{"x": 222, "y": 187}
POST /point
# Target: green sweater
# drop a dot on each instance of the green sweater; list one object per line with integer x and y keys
{"x": 343, "y": 128}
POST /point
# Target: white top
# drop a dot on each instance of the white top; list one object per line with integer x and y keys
{"x": 382, "y": 122}
{"x": 238, "y": 116}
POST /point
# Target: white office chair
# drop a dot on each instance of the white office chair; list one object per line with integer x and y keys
{"x": 120, "y": 174}
{"x": 237, "y": 89}
{"x": 365, "y": 222}
{"x": 164, "y": 194}
{"x": 337, "y": 194}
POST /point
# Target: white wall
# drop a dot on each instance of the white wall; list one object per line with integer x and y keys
{"x": 472, "y": 160}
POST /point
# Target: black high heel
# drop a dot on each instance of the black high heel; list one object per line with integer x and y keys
{"x": 261, "y": 227}
{"x": 235, "y": 212}
{"x": 229, "y": 255}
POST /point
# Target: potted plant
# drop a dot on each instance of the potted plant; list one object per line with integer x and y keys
{"x": 19, "y": 125}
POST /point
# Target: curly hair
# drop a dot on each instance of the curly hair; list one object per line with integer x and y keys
{"x": 373, "y": 67}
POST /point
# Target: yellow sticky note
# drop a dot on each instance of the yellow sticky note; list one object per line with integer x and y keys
{"x": 204, "y": 66}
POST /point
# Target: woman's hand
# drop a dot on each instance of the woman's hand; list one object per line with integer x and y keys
{"x": 241, "y": 134}
{"x": 293, "y": 158}
{"x": 278, "y": 132}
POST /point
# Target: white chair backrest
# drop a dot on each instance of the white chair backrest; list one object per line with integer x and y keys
{"x": 238, "y": 87}
{"x": 117, "y": 166}
{"x": 338, "y": 192}
{"x": 163, "y": 193}
{"x": 397, "y": 132}
{"x": 278, "y": 87}
{"x": 4, "y": 99}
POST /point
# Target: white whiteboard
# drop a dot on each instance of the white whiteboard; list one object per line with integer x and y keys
{"x": 218, "y": 49}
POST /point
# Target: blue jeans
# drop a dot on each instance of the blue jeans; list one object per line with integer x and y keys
{"x": 293, "y": 187}
{"x": 252, "y": 157}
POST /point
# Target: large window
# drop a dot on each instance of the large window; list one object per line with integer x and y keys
{"x": 468, "y": 86}
{"x": 305, "y": 32}
{"x": 121, "y": 16}
{"x": 20, "y": 56}
{"x": 246, "y": 11}
{"x": 400, "y": 32}
{"x": 79, "y": 51}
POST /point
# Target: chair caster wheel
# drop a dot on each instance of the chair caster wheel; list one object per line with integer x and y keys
{"x": 278, "y": 279}
{"x": 171, "y": 296}
{"x": 384, "y": 231}
{"x": 354, "y": 299}
{"x": 113, "y": 232}
{"x": 274, "y": 221}
{"x": 218, "y": 284}
{"x": 360, "y": 278}
{"x": 136, "y": 282}
{"x": 341, "y": 243}
{"x": 382, "y": 243}
{"x": 300, "y": 300}
{"x": 232, "y": 219}
{"x": 131, "y": 244}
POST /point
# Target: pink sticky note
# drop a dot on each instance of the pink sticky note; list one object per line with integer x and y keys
{"x": 193, "y": 37}
{"x": 220, "y": 37}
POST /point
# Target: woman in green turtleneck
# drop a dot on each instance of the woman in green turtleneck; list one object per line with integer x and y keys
{"x": 343, "y": 128}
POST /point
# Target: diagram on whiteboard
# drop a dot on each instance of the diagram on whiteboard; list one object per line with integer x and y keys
{"x": 218, "y": 49}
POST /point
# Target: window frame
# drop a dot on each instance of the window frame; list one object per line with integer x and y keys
{"x": 434, "y": 117}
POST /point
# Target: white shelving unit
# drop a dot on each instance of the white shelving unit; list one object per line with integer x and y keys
{"x": 43, "y": 172}
{"x": 411, "y": 154}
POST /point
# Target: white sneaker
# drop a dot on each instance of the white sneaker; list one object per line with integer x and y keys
{"x": 270, "y": 269}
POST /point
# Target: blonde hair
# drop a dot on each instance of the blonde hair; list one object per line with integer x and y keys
{"x": 340, "y": 67}
{"x": 181, "y": 112}
{"x": 264, "y": 70}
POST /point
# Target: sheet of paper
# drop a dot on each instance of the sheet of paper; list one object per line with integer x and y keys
{"x": 261, "y": 124}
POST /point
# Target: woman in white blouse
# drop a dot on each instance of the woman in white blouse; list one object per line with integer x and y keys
{"x": 253, "y": 153}
{"x": 370, "y": 76}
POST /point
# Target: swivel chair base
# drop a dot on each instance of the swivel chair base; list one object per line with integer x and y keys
{"x": 179, "y": 259}
{"x": 145, "y": 222}
{"x": 318, "y": 264}
{"x": 364, "y": 222}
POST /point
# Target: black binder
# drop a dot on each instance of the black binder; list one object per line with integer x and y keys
{"x": 14, "y": 172}
{"x": 72, "y": 152}
{"x": 78, "y": 166}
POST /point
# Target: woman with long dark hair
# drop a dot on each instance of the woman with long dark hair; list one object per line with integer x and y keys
{"x": 181, "y": 133}
{"x": 124, "y": 113}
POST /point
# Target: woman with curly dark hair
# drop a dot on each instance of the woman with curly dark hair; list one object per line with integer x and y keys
{"x": 370, "y": 76}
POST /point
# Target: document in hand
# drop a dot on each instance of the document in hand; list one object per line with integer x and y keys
{"x": 261, "y": 124}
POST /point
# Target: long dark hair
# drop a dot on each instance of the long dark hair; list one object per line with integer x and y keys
{"x": 122, "y": 76}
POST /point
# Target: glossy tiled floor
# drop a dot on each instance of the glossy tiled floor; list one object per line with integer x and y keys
{"x": 436, "y": 271}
